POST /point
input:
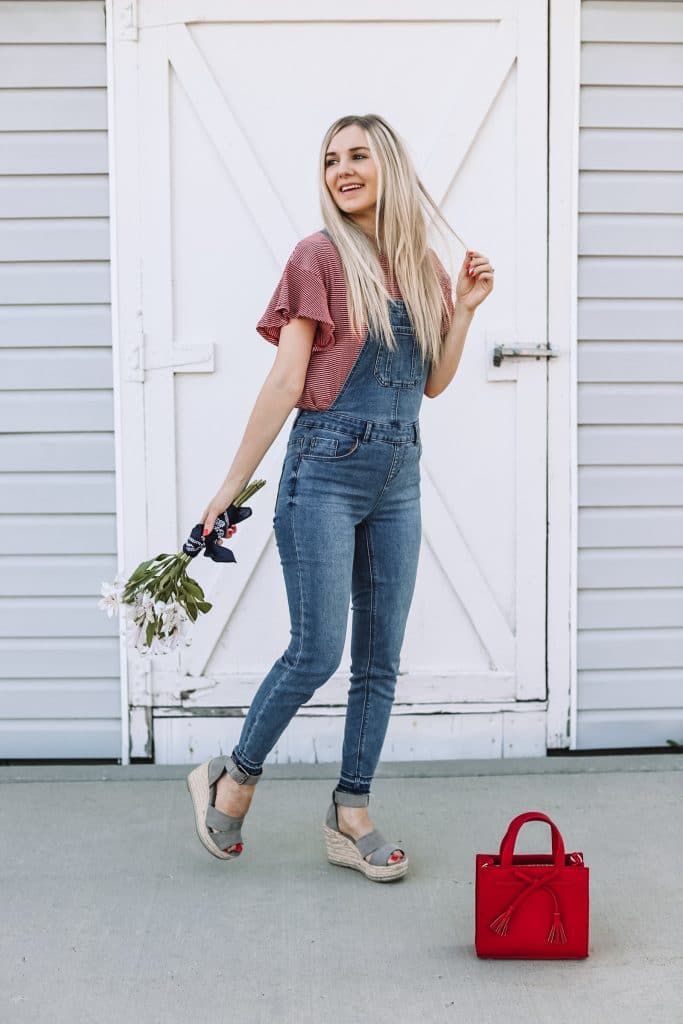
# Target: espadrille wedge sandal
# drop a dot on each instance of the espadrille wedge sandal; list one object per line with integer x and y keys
{"x": 351, "y": 853}
{"x": 216, "y": 830}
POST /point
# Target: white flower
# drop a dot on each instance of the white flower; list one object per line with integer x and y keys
{"x": 136, "y": 634}
{"x": 112, "y": 593}
{"x": 169, "y": 628}
{"x": 143, "y": 608}
{"x": 173, "y": 617}
{"x": 170, "y": 625}
{"x": 147, "y": 605}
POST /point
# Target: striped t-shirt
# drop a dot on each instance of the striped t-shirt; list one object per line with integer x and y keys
{"x": 313, "y": 285}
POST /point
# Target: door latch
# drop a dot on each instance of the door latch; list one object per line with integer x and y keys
{"x": 180, "y": 359}
{"x": 501, "y": 352}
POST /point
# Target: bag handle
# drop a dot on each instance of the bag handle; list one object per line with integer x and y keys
{"x": 507, "y": 844}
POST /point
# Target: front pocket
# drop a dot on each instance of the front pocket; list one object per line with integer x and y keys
{"x": 328, "y": 446}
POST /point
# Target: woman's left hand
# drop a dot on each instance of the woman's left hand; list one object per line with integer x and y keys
{"x": 228, "y": 533}
{"x": 475, "y": 280}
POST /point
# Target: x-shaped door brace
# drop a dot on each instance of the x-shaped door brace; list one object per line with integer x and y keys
{"x": 263, "y": 202}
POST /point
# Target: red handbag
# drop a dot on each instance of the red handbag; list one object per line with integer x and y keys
{"x": 531, "y": 906}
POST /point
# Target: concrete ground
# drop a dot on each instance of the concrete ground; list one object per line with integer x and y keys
{"x": 112, "y": 911}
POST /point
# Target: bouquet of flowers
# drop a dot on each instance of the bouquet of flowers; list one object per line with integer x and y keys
{"x": 162, "y": 594}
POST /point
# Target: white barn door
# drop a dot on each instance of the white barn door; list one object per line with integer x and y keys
{"x": 218, "y": 115}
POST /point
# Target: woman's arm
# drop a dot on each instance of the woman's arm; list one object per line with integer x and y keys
{"x": 279, "y": 394}
{"x": 474, "y": 284}
{"x": 454, "y": 342}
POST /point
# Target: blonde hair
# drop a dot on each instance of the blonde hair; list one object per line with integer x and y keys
{"x": 400, "y": 233}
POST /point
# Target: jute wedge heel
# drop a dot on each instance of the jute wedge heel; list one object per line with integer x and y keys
{"x": 217, "y": 831}
{"x": 351, "y": 853}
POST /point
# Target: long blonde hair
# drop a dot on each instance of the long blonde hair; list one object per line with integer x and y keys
{"x": 400, "y": 233}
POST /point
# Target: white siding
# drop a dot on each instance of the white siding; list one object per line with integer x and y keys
{"x": 630, "y": 376}
{"x": 59, "y": 666}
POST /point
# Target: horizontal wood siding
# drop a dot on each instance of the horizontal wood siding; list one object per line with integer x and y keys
{"x": 59, "y": 658}
{"x": 630, "y": 376}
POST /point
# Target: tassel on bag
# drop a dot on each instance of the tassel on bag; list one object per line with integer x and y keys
{"x": 501, "y": 923}
{"x": 557, "y": 932}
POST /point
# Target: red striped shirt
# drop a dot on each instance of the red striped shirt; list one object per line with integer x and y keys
{"x": 313, "y": 285}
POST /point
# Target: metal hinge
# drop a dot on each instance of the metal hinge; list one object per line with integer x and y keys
{"x": 181, "y": 359}
{"x": 127, "y": 21}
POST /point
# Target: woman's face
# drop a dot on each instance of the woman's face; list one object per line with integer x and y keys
{"x": 348, "y": 162}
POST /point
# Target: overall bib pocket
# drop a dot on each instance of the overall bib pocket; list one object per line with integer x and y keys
{"x": 403, "y": 367}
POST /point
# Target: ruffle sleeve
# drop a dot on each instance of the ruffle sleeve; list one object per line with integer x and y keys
{"x": 301, "y": 291}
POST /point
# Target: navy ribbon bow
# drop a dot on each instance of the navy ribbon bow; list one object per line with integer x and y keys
{"x": 195, "y": 542}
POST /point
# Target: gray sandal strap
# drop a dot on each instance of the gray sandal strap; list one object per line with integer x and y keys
{"x": 383, "y": 853}
{"x": 224, "y": 829}
{"x": 367, "y": 844}
{"x": 350, "y": 799}
{"x": 375, "y": 843}
{"x": 217, "y": 765}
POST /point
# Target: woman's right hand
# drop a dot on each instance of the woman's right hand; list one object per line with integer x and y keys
{"x": 218, "y": 504}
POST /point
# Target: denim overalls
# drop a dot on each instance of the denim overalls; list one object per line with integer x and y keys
{"x": 348, "y": 526}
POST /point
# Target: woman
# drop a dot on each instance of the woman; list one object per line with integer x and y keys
{"x": 364, "y": 324}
